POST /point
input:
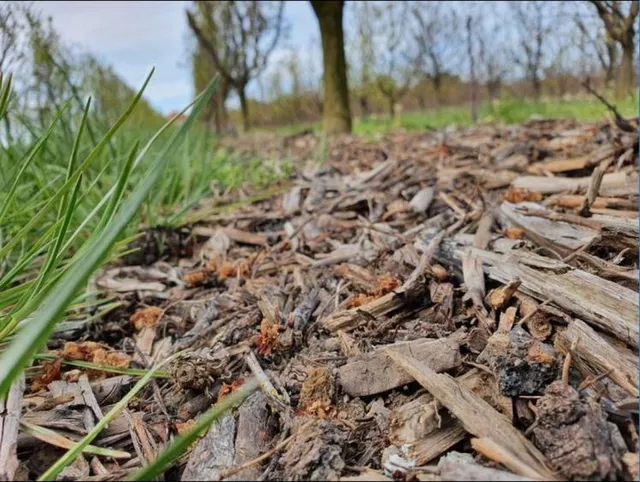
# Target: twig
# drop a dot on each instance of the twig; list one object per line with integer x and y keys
{"x": 268, "y": 453}
{"x": 567, "y": 361}
{"x": 275, "y": 399}
{"x": 587, "y": 383}
{"x": 621, "y": 122}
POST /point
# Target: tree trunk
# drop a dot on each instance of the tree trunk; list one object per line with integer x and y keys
{"x": 611, "y": 61}
{"x": 244, "y": 107}
{"x": 337, "y": 114}
{"x": 437, "y": 87}
{"x": 537, "y": 87}
{"x": 392, "y": 106}
{"x": 624, "y": 84}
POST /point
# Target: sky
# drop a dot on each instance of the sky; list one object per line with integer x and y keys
{"x": 134, "y": 36}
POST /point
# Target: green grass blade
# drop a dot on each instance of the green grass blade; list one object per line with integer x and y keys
{"x": 27, "y": 162}
{"x": 85, "y": 164}
{"x": 73, "y": 452}
{"x": 34, "y": 335}
{"x": 54, "y": 438}
{"x": 182, "y": 442}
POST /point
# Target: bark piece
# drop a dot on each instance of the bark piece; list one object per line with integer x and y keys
{"x": 251, "y": 440}
{"x": 575, "y": 436}
{"x": 478, "y": 417}
{"x": 422, "y": 200}
{"x": 214, "y": 454}
{"x": 594, "y": 356}
{"x": 549, "y": 185}
{"x": 376, "y": 372}
{"x": 522, "y": 365}
{"x": 10, "y": 410}
{"x": 315, "y": 454}
{"x": 559, "y": 233}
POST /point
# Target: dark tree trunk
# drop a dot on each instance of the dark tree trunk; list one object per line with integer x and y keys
{"x": 624, "y": 84}
{"x": 611, "y": 61}
{"x": 337, "y": 114}
{"x": 392, "y": 107}
{"x": 244, "y": 107}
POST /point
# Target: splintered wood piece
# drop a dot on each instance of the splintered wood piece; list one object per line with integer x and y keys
{"x": 559, "y": 233}
{"x": 500, "y": 454}
{"x": 575, "y": 201}
{"x": 550, "y": 185}
{"x": 478, "y": 417}
{"x": 604, "y": 304}
{"x": 594, "y": 187}
{"x": 499, "y": 297}
{"x": 474, "y": 280}
{"x": 476, "y": 472}
{"x": 376, "y": 372}
{"x": 593, "y": 355}
{"x": 417, "y": 419}
{"x": 245, "y": 237}
{"x": 437, "y": 442}
{"x": 10, "y": 410}
{"x": 559, "y": 165}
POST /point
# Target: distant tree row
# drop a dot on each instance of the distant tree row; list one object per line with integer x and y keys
{"x": 399, "y": 49}
{"x": 47, "y": 72}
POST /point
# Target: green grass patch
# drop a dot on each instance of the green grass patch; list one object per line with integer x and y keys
{"x": 507, "y": 111}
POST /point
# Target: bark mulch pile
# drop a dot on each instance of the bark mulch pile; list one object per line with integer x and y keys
{"x": 452, "y": 305}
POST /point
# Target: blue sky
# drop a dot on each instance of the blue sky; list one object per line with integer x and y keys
{"x": 134, "y": 36}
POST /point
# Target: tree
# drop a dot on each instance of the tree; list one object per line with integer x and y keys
{"x": 239, "y": 36}
{"x": 619, "y": 20}
{"x": 365, "y": 50}
{"x": 336, "y": 112}
{"x": 604, "y": 47}
{"x": 202, "y": 71}
{"x": 391, "y": 59}
{"x": 532, "y": 30}
{"x": 472, "y": 71}
{"x": 436, "y": 33}
{"x": 488, "y": 36}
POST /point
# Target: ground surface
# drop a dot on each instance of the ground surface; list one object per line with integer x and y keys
{"x": 469, "y": 260}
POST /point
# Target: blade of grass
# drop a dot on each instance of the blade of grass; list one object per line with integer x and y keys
{"x": 183, "y": 441}
{"x": 83, "y": 166}
{"x": 79, "y": 446}
{"x": 134, "y": 372}
{"x": 53, "y": 438}
{"x": 33, "y": 336}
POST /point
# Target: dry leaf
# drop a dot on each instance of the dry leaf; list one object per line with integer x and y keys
{"x": 83, "y": 351}
{"x": 514, "y": 233}
{"x": 515, "y": 195}
{"x": 145, "y": 317}
{"x": 385, "y": 284}
{"x": 50, "y": 372}
{"x": 229, "y": 388}
{"x": 358, "y": 300}
{"x": 197, "y": 277}
{"x": 268, "y": 336}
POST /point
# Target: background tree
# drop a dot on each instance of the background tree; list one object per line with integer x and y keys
{"x": 336, "y": 112}
{"x": 364, "y": 48}
{"x": 436, "y": 31}
{"x": 601, "y": 43}
{"x": 202, "y": 71}
{"x": 532, "y": 29}
{"x": 239, "y": 36}
{"x": 392, "y": 61}
{"x": 619, "y": 19}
